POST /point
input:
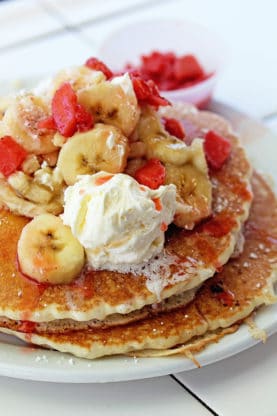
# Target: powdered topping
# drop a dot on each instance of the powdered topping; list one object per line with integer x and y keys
{"x": 161, "y": 270}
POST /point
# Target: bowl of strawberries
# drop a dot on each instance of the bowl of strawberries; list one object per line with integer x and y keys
{"x": 184, "y": 59}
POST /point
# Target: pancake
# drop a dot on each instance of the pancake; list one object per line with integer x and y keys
{"x": 189, "y": 258}
{"x": 68, "y": 325}
{"x": 247, "y": 281}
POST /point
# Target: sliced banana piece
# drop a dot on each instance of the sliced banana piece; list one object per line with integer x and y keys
{"x": 21, "y": 122}
{"x": 80, "y": 77}
{"x": 25, "y": 186}
{"x": 161, "y": 145}
{"x": 102, "y": 148}
{"x": 20, "y": 206}
{"x": 113, "y": 102}
{"x": 48, "y": 251}
{"x": 45, "y": 185}
{"x": 194, "y": 194}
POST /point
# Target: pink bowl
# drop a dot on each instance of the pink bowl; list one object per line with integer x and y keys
{"x": 129, "y": 42}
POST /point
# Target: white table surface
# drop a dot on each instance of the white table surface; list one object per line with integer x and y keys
{"x": 39, "y": 37}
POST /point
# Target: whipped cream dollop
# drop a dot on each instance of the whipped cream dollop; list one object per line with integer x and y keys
{"x": 117, "y": 220}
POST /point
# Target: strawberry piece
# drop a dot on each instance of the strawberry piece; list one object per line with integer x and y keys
{"x": 148, "y": 93}
{"x": 187, "y": 67}
{"x": 168, "y": 71}
{"x": 164, "y": 227}
{"x": 152, "y": 174}
{"x": 68, "y": 116}
{"x": 11, "y": 155}
{"x": 141, "y": 88}
{"x": 174, "y": 127}
{"x": 168, "y": 84}
{"x": 217, "y": 149}
{"x": 158, "y": 66}
{"x": 153, "y": 63}
{"x": 156, "y": 63}
{"x": 100, "y": 181}
{"x": 64, "y": 110}
{"x": 97, "y": 65}
{"x": 47, "y": 123}
{"x": 84, "y": 119}
{"x": 158, "y": 204}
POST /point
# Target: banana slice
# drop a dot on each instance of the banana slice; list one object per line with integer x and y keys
{"x": 160, "y": 144}
{"x": 194, "y": 194}
{"x": 25, "y": 186}
{"x": 48, "y": 251}
{"x": 113, "y": 102}
{"x": 80, "y": 77}
{"x": 21, "y": 206}
{"x": 102, "y": 148}
{"x": 21, "y": 122}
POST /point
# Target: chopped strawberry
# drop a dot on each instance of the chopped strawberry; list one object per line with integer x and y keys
{"x": 152, "y": 174}
{"x": 157, "y": 63}
{"x": 158, "y": 66}
{"x": 84, "y": 119}
{"x": 11, "y": 155}
{"x": 217, "y": 149}
{"x": 187, "y": 67}
{"x": 68, "y": 116}
{"x": 64, "y": 110}
{"x": 168, "y": 71}
{"x": 97, "y": 65}
{"x": 141, "y": 88}
{"x": 47, "y": 123}
{"x": 103, "y": 179}
{"x": 174, "y": 127}
{"x": 158, "y": 204}
{"x": 147, "y": 92}
{"x": 168, "y": 84}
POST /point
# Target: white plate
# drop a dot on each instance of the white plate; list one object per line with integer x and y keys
{"x": 21, "y": 361}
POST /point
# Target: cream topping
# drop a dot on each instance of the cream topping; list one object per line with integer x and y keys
{"x": 117, "y": 220}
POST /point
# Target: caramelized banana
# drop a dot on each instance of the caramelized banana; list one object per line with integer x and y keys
{"x": 21, "y": 206}
{"x": 102, "y": 148}
{"x": 113, "y": 103}
{"x": 48, "y": 251}
{"x": 194, "y": 194}
{"x": 21, "y": 122}
{"x": 80, "y": 77}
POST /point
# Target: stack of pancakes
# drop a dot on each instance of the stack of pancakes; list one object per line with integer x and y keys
{"x": 204, "y": 283}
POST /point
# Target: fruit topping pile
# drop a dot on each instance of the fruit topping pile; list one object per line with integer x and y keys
{"x": 88, "y": 132}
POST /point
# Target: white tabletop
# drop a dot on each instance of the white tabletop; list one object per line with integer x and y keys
{"x": 39, "y": 37}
